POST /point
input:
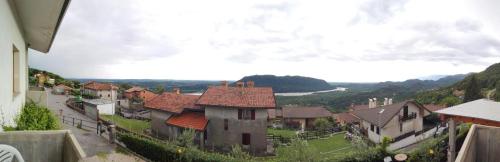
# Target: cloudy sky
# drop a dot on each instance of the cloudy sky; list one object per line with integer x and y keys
{"x": 355, "y": 41}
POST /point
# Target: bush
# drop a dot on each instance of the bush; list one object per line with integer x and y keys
{"x": 365, "y": 155}
{"x": 36, "y": 117}
{"x": 157, "y": 151}
{"x": 298, "y": 151}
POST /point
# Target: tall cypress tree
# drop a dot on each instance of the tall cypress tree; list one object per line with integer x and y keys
{"x": 472, "y": 91}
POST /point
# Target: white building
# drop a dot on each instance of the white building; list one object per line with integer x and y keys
{"x": 23, "y": 24}
{"x": 402, "y": 122}
{"x": 95, "y": 107}
{"x": 101, "y": 90}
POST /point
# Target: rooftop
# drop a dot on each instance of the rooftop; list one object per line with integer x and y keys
{"x": 172, "y": 102}
{"x": 99, "y": 86}
{"x": 134, "y": 89}
{"x": 434, "y": 107}
{"x": 371, "y": 115}
{"x": 240, "y": 97}
{"x": 305, "y": 112}
{"x": 480, "y": 109}
{"x": 191, "y": 120}
{"x": 347, "y": 117}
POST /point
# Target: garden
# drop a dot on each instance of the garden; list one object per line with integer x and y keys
{"x": 134, "y": 125}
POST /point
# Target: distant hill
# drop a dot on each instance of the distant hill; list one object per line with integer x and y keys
{"x": 451, "y": 95}
{"x": 358, "y": 93}
{"x": 283, "y": 84}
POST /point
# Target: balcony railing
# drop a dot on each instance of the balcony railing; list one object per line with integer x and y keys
{"x": 411, "y": 116}
{"x": 53, "y": 146}
{"x": 481, "y": 144}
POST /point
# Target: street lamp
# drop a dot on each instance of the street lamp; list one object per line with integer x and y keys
{"x": 378, "y": 127}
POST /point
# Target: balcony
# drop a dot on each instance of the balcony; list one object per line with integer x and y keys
{"x": 53, "y": 146}
{"x": 481, "y": 144}
{"x": 37, "y": 95}
{"x": 411, "y": 116}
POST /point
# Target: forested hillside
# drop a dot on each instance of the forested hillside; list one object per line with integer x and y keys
{"x": 282, "y": 84}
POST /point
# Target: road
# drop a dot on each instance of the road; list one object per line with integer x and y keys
{"x": 91, "y": 143}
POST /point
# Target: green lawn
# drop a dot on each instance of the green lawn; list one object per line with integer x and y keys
{"x": 329, "y": 148}
{"x": 130, "y": 124}
{"x": 282, "y": 132}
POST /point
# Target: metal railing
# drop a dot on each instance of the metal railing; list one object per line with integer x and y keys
{"x": 79, "y": 122}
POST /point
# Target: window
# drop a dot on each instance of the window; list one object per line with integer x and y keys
{"x": 378, "y": 130}
{"x": 246, "y": 114}
{"x": 372, "y": 128}
{"x": 405, "y": 111}
{"x": 245, "y": 139}
{"x": 226, "y": 124}
{"x": 109, "y": 95}
{"x": 16, "y": 81}
{"x": 100, "y": 95}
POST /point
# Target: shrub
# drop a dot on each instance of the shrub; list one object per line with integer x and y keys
{"x": 36, "y": 117}
{"x": 365, "y": 155}
{"x": 157, "y": 151}
{"x": 238, "y": 153}
{"x": 298, "y": 151}
{"x": 186, "y": 139}
{"x": 321, "y": 124}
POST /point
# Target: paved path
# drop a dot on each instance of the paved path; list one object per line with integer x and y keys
{"x": 91, "y": 143}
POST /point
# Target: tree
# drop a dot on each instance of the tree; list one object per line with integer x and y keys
{"x": 450, "y": 101}
{"x": 159, "y": 89}
{"x": 321, "y": 124}
{"x": 186, "y": 139}
{"x": 472, "y": 91}
{"x": 497, "y": 91}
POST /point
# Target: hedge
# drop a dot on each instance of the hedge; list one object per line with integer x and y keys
{"x": 157, "y": 151}
{"x": 36, "y": 117}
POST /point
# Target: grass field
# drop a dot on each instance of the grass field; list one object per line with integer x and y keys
{"x": 329, "y": 148}
{"x": 130, "y": 124}
{"x": 282, "y": 132}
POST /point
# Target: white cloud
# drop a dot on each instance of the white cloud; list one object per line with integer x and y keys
{"x": 227, "y": 39}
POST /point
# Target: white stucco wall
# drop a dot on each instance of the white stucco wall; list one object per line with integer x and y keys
{"x": 106, "y": 109}
{"x": 10, "y": 105}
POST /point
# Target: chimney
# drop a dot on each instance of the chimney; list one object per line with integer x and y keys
{"x": 177, "y": 90}
{"x": 374, "y": 103}
{"x": 240, "y": 84}
{"x": 390, "y": 101}
{"x": 370, "y": 103}
{"x": 250, "y": 84}
{"x": 224, "y": 83}
{"x": 386, "y": 101}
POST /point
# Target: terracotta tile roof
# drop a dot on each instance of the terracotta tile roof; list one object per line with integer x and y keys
{"x": 134, "y": 89}
{"x": 434, "y": 107}
{"x": 172, "y": 102}
{"x": 305, "y": 112}
{"x": 372, "y": 115}
{"x": 99, "y": 86}
{"x": 143, "y": 94}
{"x": 346, "y": 117}
{"x": 64, "y": 87}
{"x": 192, "y": 120}
{"x": 256, "y": 97}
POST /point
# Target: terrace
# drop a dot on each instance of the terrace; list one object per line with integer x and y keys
{"x": 54, "y": 146}
{"x": 481, "y": 144}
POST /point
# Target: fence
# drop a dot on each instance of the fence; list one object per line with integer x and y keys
{"x": 281, "y": 139}
{"x": 308, "y": 135}
{"x": 75, "y": 106}
{"x": 79, "y": 122}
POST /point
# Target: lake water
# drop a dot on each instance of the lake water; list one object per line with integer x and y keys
{"x": 339, "y": 89}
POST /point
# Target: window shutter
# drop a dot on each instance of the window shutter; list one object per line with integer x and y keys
{"x": 253, "y": 114}
{"x": 239, "y": 114}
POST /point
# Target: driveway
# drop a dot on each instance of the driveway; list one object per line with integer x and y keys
{"x": 91, "y": 143}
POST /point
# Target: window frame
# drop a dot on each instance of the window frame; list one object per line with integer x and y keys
{"x": 246, "y": 139}
{"x": 16, "y": 72}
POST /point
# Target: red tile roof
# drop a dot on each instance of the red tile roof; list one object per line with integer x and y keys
{"x": 99, "y": 86}
{"x": 347, "y": 117}
{"x": 192, "y": 120}
{"x": 358, "y": 107}
{"x": 222, "y": 96}
{"x": 434, "y": 107}
{"x": 64, "y": 87}
{"x": 134, "y": 89}
{"x": 143, "y": 94}
{"x": 172, "y": 102}
{"x": 305, "y": 112}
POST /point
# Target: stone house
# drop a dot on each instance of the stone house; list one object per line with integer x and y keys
{"x": 402, "y": 121}
{"x": 237, "y": 116}
{"x": 135, "y": 97}
{"x": 303, "y": 117}
{"x": 105, "y": 91}
{"x": 172, "y": 112}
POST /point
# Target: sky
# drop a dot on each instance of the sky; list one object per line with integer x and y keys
{"x": 338, "y": 41}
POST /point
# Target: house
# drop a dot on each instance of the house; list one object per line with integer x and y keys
{"x": 95, "y": 107}
{"x": 402, "y": 121}
{"x": 182, "y": 107}
{"x": 29, "y": 25}
{"x": 135, "y": 98}
{"x": 62, "y": 89}
{"x": 237, "y": 116}
{"x": 101, "y": 90}
{"x": 303, "y": 117}
{"x": 346, "y": 118}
